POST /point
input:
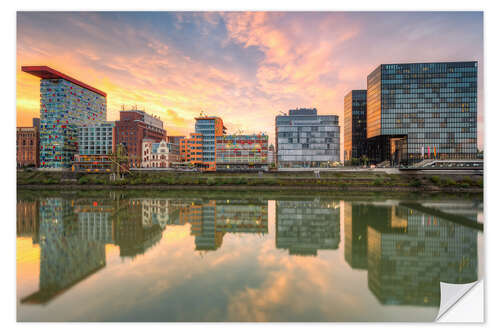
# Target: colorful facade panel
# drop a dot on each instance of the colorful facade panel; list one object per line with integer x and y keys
{"x": 65, "y": 104}
{"x": 242, "y": 151}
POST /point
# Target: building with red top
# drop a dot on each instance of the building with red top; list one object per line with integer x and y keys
{"x": 133, "y": 127}
{"x": 65, "y": 104}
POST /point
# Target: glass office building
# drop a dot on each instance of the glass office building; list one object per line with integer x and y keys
{"x": 422, "y": 110}
{"x": 65, "y": 104}
{"x": 242, "y": 151}
{"x": 96, "y": 144}
{"x": 209, "y": 128}
{"x": 355, "y": 145}
{"x": 96, "y": 139}
{"x": 305, "y": 139}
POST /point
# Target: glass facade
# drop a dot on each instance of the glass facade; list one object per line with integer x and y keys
{"x": 306, "y": 139}
{"x": 210, "y": 128}
{"x": 422, "y": 110}
{"x": 242, "y": 151}
{"x": 63, "y": 107}
{"x": 96, "y": 139}
{"x": 355, "y": 124}
{"x": 206, "y": 127}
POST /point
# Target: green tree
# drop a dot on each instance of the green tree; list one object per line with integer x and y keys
{"x": 120, "y": 160}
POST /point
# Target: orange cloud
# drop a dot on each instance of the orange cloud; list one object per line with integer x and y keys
{"x": 297, "y": 60}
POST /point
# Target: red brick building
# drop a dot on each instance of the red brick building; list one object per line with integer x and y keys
{"x": 135, "y": 126}
{"x": 28, "y": 146}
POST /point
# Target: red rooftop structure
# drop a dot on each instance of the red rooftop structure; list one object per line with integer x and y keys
{"x": 45, "y": 72}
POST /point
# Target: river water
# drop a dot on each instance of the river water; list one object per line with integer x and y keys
{"x": 241, "y": 256}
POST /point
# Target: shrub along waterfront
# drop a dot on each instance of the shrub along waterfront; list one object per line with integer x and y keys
{"x": 330, "y": 179}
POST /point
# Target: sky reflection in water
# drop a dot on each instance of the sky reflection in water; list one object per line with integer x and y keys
{"x": 112, "y": 256}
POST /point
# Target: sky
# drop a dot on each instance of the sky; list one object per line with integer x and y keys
{"x": 245, "y": 67}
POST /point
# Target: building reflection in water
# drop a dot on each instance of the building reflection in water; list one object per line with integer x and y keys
{"x": 65, "y": 257}
{"x": 72, "y": 234}
{"x": 304, "y": 227}
{"x": 27, "y": 221}
{"x": 407, "y": 249}
{"x": 132, "y": 233}
{"x": 408, "y": 252}
{"x": 211, "y": 220}
{"x": 134, "y": 225}
{"x": 355, "y": 225}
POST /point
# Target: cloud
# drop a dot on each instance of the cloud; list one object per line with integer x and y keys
{"x": 242, "y": 66}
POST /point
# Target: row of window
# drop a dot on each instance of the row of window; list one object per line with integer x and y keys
{"x": 310, "y": 158}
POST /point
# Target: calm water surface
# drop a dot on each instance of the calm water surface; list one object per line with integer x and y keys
{"x": 146, "y": 256}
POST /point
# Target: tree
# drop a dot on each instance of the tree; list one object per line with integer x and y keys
{"x": 120, "y": 160}
{"x": 364, "y": 160}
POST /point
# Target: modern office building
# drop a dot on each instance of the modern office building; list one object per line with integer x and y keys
{"x": 422, "y": 110}
{"x": 355, "y": 145}
{"x": 27, "y": 147}
{"x": 209, "y": 128}
{"x": 65, "y": 104}
{"x": 242, "y": 152}
{"x": 96, "y": 139}
{"x": 305, "y": 139}
{"x": 96, "y": 145}
{"x": 133, "y": 127}
{"x": 191, "y": 150}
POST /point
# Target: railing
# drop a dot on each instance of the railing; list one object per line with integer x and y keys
{"x": 446, "y": 164}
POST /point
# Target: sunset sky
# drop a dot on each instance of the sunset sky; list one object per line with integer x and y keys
{"x": 243, "y": 67}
